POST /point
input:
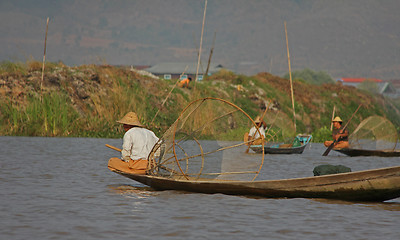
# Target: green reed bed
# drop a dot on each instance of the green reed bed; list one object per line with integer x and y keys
{"x": 51, "y": 116}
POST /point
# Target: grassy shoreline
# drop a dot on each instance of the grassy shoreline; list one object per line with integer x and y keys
{"x": 86, "y": 101}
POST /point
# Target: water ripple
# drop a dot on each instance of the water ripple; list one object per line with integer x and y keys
{"x": 62, "y": 189}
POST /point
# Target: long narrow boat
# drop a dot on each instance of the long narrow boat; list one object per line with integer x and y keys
{"x": 182, "y": 161}
{"x": 302, "y": 140}
{"x": 364, "y": 152}
{"x": 370, "y": 185}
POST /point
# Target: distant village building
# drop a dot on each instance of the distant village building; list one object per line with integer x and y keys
{"x": 355, "y": 81}
{"x": 384, "y": 87}
{"x": 140, "y": 67}
{"x": 174, "y": 70}
{"x": 396, "y": 85}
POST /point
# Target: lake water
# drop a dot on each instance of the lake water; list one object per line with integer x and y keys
{"x": 61, "y": 188}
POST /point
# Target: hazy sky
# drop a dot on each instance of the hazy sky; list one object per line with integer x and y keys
{"x": 346, "y": 38}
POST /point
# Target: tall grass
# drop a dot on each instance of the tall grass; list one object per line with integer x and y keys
{"x": 126, "y": 93}
{"x": 12, "y": 68}
{"x": 54, "y": 116}
{"x": 115, "y": 91}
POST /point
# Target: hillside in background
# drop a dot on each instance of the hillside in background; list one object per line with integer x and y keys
{"x": 358, "y": 38}
{"x": 86, "y": 101}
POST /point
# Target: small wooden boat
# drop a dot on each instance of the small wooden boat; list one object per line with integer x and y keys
{"x": 182, "y": 161}
{"x": 297, "y": 147}
{"x": 374, "y": 136}
{"x": 364, "y": 152}
{"x": 370, "y": 185}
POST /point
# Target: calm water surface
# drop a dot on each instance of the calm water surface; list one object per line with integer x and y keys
{"x": 60, "y": 188}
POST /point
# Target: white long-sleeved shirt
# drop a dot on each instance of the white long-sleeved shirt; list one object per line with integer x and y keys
{"x": 138, "y": 143}
{"x": 254, "y": 133}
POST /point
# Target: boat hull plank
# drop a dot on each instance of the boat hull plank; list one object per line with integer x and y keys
{"x": 371, "y": 185}
{"x": 269, "y": 150}
{"x": 363, "y": 152}
{"x": 284, "y": 148}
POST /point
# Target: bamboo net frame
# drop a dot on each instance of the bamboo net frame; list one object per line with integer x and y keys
{"x": 374, "y": 133}
{"x": 178, "y": 159}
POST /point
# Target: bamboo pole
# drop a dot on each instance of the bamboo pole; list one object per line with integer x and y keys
{"x": 162, "y": 104}
{"x": 209, "y": 58}
{"x": 290, "y": 78}
{"x": 201, "y": 42}
{"x": 197, "y": 51}
{"x": 44, "y": 60}
{"x": 333, "y": 116}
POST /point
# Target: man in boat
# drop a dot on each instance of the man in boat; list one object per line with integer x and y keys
{"x": 340, "y": 136}
{"x": 137, "y": 145}
{"x": 254, "y": 134}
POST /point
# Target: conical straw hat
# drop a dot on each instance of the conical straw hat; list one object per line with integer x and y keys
{"x": 257, "y": 120}
{"x": 131, "y": 119}
{"x": 337, "y": 119}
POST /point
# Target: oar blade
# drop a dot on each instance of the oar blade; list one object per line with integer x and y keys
{"x": 328, "y": 149}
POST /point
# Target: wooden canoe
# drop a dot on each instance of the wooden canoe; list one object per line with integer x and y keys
{"x": 370, "y": 185}
{"x": 364, "y": 152}
{"x": 284, "y": 148}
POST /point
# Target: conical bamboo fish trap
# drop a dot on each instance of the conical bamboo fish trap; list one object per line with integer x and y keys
{"x": 204, "y": 144}
{"x": 374, "y": 133}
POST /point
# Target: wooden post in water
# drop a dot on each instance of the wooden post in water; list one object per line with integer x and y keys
{"x": 290, "y": 78}
{"x": 44, "y": 59}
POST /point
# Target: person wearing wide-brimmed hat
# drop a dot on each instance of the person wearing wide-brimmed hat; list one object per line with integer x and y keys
{"x": 136, "y": 147}
{"x": 339, "y": 134}
{"x": 254, "y": 134}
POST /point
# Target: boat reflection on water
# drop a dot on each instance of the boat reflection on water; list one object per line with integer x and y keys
{"x": 390, "y": 205}
{"x": 139, "y": 191}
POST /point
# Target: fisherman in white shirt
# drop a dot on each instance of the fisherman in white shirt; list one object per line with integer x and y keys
{"x": 254, "y": 134}
{"x": 137, "y": 145}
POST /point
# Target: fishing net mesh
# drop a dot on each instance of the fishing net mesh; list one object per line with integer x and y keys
{"x": 206, "y": 145}
{"x": 374, "y": 133}
{"x": 281, "y": 127}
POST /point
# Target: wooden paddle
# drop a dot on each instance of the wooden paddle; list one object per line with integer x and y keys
{"x": 112, "y": 147}
{"x": 331, "y": 146}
